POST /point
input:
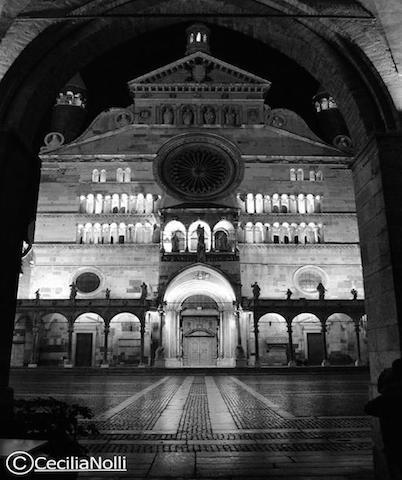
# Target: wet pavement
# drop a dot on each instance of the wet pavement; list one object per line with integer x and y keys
{"x": 300, "y": 426}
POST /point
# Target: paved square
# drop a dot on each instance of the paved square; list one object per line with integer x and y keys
{"x": 271, "y": 426}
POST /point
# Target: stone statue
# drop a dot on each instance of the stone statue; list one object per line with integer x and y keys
{"x": 221, "y": 242}
{"x": 321, "y": 291}
{"x": 230, "y": 117}
{"x": 201, "y": 244}
{"x": 289, "y": 294}
{"x": 354, "y": 293}
{"x": 167, "y": 116}
{"x": 107, "y": 294}
{"x": 175, "y": 242}
{"x": 187, "y": 116}
{"x": 37, "y": 294}
{"x": 256, "y": 290}
{"x": 73, "y": 291}
{"x": 144, "y": 291}
{"x": 209, "y": 116}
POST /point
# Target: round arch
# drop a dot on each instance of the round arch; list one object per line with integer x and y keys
{"x": 124, "y": 345}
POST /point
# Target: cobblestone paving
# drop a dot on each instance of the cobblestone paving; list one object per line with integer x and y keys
{"x": 195, "y": 418}
{"x": 282, "y": 428}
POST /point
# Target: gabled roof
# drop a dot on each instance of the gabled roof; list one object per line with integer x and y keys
{"x": 199, "y": 68}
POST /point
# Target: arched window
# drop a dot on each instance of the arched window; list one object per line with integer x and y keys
{"x": 140, "y": 203}
{"x": 285, "y": 233}
{"x": 90, "y": 203}
{"x": 174, "y": 237}
{"x": 310, "y": 203}
{"x": 105, "y": 233}
{"x": 130, "y": 233}
{"x": 119, "y": 175}
{"x": 191, "y": 37}
{"x": 132, "y": 205}
{"x": 127, "y": 175}
{"x": 267, "y": 204}
{"x": 198, "y": 37}
{"x": 204, "y": 37}
{"x": 319, "y": 176}
{"x": 103, "y": 176}
{"x": 87, "y": 233}
{"x": 284, "y": 203}
{"x": 115, "y": 203}
{"x": 267, "y": 233}
{"x": 223, "y": 236}
{"x": 275, "y": 233}
{"x": 97, "y": 233}
{"x": 149, "y": 203}
{"x": 301, "y": 203}
{"x": 292, "y": 204}
{"x": 139, "y": 233}
{"x": 317, "y": 204}
{"x": 240, "y": 202}
{"x": 300, "y": 174}
{"x": 312, "y": 176}
{"x": 83, "y": 204}
{"x": 98, "y": 203}
{"x": 107, "y": 205}
{"x": 292, "y": 174}
{"x": 240, "y": 234}
{"x": 80, "y": 233}
{"x": 275, "y": 203}
{"x": 123, "y": 203}
{"x": 148, "y": 230}
{"x": 258, "y": 233}
{"x": 249, "y": 233}
{"x": 250, "y": 206}
{"x": 95, "y": 175}
{"x": 113, "y": 233}
{"x": 122, "y": 232}
{"x": 259, "y": 203}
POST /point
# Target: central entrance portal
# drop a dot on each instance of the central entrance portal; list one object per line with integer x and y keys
{"x": 200, "y": 341}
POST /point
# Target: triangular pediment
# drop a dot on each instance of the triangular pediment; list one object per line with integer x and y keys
{"x": 199, "y": 68}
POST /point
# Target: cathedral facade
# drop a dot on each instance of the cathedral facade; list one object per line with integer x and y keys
{"x": 196, "y": 227}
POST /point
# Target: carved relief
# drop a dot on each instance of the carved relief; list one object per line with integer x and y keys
{"x": 209, "y": 115}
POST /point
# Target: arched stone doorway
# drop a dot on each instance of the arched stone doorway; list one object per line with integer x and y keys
{"x": 124, "y": 340}
{"x": 87, "y": 340}
{"x": 199, "y": 326}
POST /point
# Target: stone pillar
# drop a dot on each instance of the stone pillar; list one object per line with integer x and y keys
{"x": 377, "y": 176}
{"x": 358, "y": 361}
{"x": 142, "y": 340}
{"x": 221, "y": 339}
{"x": 325, "y": 361}
{"x": 292, "y": 362}
{"x": 241, "y": 360}
{"x": 106, "y": 330}
{"x": 160, "y": 360}
{"x": 256, "y": 341}
{"x": 19, "y": 186}
{"x": 35, "y": 342}
{"x": 69, "y": 362}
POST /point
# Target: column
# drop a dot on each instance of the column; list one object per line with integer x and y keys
{"x": 325, "y": 361}
{"x": 241, "y": 360}
{"x": 358, "y": 361}
{"x": 69, "y": 363}
{"x": 106, "y": 330}
{"x": 142, "y": 340}
{"x": 35, "y": 342}
{"x": 256, "y": 341}
{"x": 160, "y": 360}
{"x": 220, "y": 338}
{"x": 292, "y": 362}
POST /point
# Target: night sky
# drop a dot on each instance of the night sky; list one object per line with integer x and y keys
{"x": 106, "y": 78}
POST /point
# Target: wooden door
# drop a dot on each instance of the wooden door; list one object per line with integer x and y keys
{"x": 83, "y": 350}
{"x": 200, "y": 351}
{"x": 315, "y": 348}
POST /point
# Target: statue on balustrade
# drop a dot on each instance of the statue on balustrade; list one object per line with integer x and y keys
{"x": 201, "y": 257}
{"x": 37, "y": 295}
{"x": 321, "y": 291}
{"x": 107, "y": 294}
{"x": 175, "y": 242}
{"x": 144, "y": 291}
{"x": 167, "y": 117}
{"x": 289, "y": 294}
{"x": 187, "y": 116}
{"x": 73, "y": 291}
{"x": 354, "y": 293}
{"x": 256, "y": 290}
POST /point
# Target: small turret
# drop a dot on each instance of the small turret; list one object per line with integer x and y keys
{"x": 69, "y": 113}
{"x": 198, "y": 38}
{"x": 331, "y": 122}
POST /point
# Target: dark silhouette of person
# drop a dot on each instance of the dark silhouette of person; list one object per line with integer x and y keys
{"x": 354, "y": 293}
{"x": 144, "y": 290}
{"x": 289, "y": 294}
{"x": 387, "y": 407}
